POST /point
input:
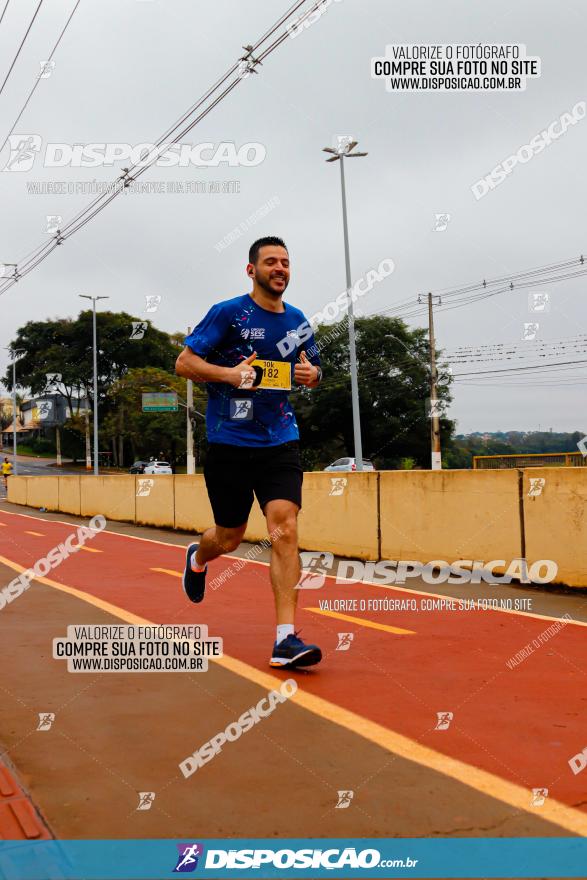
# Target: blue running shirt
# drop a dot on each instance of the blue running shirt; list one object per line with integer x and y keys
{"x": 231, "y": 331}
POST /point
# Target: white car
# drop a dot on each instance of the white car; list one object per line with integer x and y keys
{"x": 349, "y": 464}
{"x": 158, "y": 467}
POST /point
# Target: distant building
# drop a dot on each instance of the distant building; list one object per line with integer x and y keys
{"x": 22, "y": 434}
{"x": 37, "y": 416}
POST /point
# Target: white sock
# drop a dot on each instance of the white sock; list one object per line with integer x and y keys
{"x": 283, "y": 631}
{"x": 194, "y": 565}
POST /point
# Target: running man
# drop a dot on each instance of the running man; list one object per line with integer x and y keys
{"x": 6, "y": 471}
{"x": 252, "y": 431}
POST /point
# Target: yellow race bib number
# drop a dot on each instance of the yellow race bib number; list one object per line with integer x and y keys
{"x": 276, "y": 374}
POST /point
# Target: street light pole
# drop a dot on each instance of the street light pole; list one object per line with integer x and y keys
{"x": 343, "y": 152}
{"x": 15, "y": 353}
{"x": 95, "y": 360}
{"x": 190, "y": 461}
{"x": 14, "y": 465}
{"x": 352, "y": 343}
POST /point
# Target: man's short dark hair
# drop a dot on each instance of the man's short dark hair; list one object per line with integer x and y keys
{"x": 262, "y": 242}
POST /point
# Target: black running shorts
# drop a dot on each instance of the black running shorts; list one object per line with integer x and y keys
{"x": 234, "y": 474}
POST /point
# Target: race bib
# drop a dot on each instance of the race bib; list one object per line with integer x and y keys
{"x": 276, "y": 374}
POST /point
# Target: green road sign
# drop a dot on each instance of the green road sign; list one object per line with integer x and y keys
{"x": 159, "y": 401}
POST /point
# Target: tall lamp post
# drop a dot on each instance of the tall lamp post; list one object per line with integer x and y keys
{"x": 16, "y": 354}
{"x": 190, "y": 460}
{"x": 343, "y": 152}
{"x": 95, "y": 354}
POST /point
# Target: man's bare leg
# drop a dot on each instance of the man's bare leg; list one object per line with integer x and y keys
{"x": 289, "y": 651}
{"x": 282, "y": 526}
{"x": 218, "y": 540}
{"x": 214, "y": 543}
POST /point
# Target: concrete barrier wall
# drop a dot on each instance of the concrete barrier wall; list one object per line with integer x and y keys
{"x": 70, "y": 495}
{"x": 194, "y": 513}
{"x": 339, "y": 514}
{"x": 450, "y": 515}
{"x": 112, "y": 496}
{"x": 192, "y": 508}
{"x": 327, "y": 520}
{"x": 420, "y": 515}
{"x": 17, "y": 488}
{"x": 43, "y": 492}
{"x": 155, "y": 501}
{"x": 555, "y": 517}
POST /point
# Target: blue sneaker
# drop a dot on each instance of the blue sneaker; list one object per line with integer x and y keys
{"x": 291, "y": 652}
{"x": 194, "y": 582}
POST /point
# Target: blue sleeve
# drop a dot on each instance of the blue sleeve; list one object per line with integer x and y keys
{"x": 209, "y": 333}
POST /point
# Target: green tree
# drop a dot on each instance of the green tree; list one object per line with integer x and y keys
{"x": 64, "y": 345}
{"x": 127, "y": 427}
{"x": 393, "y": 389}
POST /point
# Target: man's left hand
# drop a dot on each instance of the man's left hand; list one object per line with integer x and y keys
{"x": 305, "y": 373}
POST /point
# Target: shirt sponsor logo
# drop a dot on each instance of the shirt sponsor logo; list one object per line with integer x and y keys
{"x": 253, "y": 333}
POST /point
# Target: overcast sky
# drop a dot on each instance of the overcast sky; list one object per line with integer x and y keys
{"x": 127, "y": 69}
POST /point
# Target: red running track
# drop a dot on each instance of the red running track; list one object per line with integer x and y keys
{"x": 521, "y": 724}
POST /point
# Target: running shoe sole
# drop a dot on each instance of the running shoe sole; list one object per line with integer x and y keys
{"x": 304, "y": 658}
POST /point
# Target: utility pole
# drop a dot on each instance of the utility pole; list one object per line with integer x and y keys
{"x": 191, "y": 414}
{"x": 434, "y": 417}
{"x": 58, "y": 445}
{"x": 52, "y": 385}
{"x": 345, "y": 151}
{"x": 95, "y": 359}
{"x": 190, "y": 461}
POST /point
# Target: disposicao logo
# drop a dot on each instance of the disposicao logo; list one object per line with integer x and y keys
{"x": 188, "y": 857}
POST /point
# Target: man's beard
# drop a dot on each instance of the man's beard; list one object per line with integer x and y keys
{"x": 265, "y": 284}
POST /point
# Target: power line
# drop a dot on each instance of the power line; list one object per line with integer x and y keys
{"x": 21, "y": 45}
{"x": 489, "y": 346}
{"x": 485, "y": 357}
{"x": 460, "y": 378}
{"x": 4, "y": 11}
{"x": 250, "y": 60}
{"x": 418, "y": 360}
{"x": 569, "y": 381}
{"x": 518, "y": 356}
{"x": 38, "y": 79}
{"x": 511, "y": 370}
{"x": 528, "y": 278}
{"x": 510, "y": 278}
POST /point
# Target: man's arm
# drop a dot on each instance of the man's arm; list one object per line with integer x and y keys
{"x": 192, "y": 366}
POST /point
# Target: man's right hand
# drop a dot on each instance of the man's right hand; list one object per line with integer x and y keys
{"x": 242, "y": 375}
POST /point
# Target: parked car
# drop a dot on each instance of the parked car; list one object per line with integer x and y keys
{"x": 349, "y": 464}
{"x": 138, "y": 467}
{"x": 158, "y": 467}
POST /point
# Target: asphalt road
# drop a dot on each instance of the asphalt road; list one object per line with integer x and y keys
{"x": 29, "y": 466}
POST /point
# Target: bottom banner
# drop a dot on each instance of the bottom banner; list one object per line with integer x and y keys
{"x": 302, "y": 858}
